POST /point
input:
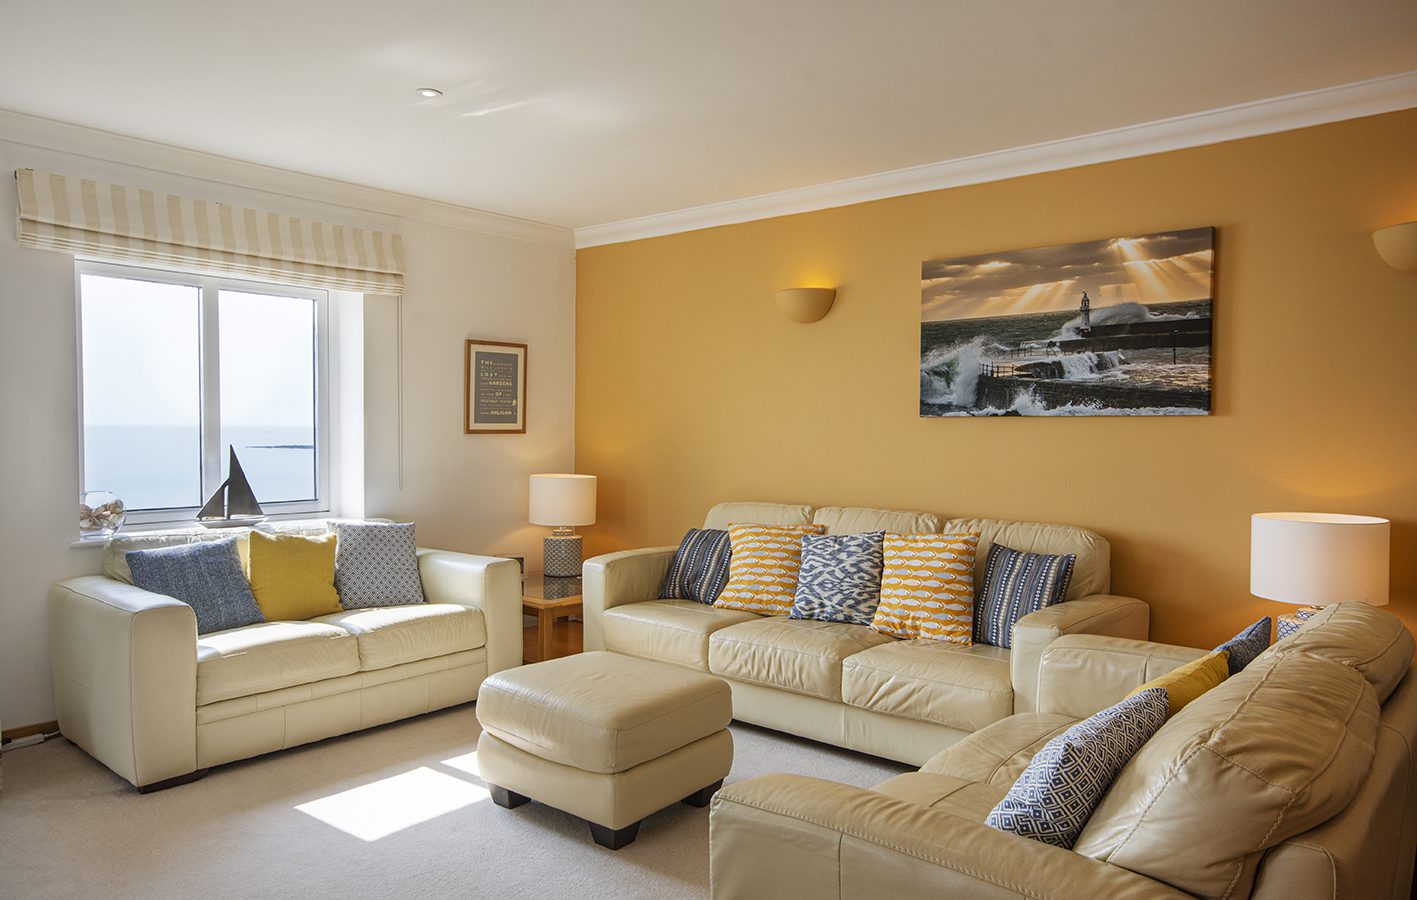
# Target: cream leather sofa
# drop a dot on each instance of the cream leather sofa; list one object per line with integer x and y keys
{"x": 139, "y": 690}
{"x": 846, "y": 684}
{"x": 1294, "y": 779}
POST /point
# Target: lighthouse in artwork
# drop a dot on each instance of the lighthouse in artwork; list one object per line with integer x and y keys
{"x": 1085, "y": 310}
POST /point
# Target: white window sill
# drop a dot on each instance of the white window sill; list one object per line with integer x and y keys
{"x": 158, "y": 529}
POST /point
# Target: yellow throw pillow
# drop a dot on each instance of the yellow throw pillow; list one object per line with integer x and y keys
{"x": 1185, "y": 683}
{"x": 293, "y": 577}
{"x": 927, "y": 587}
{"x": 762, "y": 567}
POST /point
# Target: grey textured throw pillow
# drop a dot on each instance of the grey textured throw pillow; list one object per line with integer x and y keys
{"x": 206, "y": 576}
{"x": 376, "y": 565}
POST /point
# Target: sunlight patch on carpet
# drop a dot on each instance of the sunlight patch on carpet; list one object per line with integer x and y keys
{"x": 389, "y": 805}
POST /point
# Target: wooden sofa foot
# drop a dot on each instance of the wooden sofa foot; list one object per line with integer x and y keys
{"x": 173, "y": 782}
{"x": 505, "y": 798}
{"x": 614, "y": 838}
{"x": 700, "y": 798}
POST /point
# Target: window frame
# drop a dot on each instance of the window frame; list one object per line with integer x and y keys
{"x": 209, "y": 365}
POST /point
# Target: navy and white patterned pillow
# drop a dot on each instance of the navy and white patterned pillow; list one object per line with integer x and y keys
{"x": 840, "y": 578}
{"x": 1248, "y": 644}
{"x": 206, "y": 576}
{"x": 1016, "y": 584}
{"x": 700, "y": 567}
{"x": 1054, "y": 797}
{"x": 376, "y": 564}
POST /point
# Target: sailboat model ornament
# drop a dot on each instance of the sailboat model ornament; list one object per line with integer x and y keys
{"x": 233, "y": 504}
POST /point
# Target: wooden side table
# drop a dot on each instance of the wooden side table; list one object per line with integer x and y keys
{"x": 549, "y": 598}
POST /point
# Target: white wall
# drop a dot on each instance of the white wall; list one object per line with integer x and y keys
{"x": 468, "y": 275}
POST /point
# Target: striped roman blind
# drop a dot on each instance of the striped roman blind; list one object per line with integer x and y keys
{"x": 114, "y": 223}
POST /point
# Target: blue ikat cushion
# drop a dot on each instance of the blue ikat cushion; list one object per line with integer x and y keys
{"x": 1016, "y": 584}
{"x": 1055, "y": 796}
{"x": 700, "y": 566}
{"x": 1248, "y": 644}
{"x": 205, "y": 575}
{"x": 840, "y": 578}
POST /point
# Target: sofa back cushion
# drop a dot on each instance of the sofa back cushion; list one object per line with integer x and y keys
{"x": 115, "y": 560}
{"x": 1092, "y": 570}
{"x": 735, "y": 512}
{"x": 861, "y": 519}
{"x": 1371, "y": 640}
{"x": 1278, "y": 749}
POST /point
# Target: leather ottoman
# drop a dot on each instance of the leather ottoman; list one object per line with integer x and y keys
{"x": 605, "y": 737}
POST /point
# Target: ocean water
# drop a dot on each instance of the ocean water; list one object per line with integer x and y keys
{"x": 159, "y": 467}
{"x": 953, "y": 353}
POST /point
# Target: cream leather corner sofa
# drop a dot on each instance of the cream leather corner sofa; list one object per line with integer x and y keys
{"x": 1293, "y": 780}
{"x": 846, "y": 684}
{"x": 138, "y": 689}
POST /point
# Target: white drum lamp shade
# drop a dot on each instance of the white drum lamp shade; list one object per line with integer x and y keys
{"x": 562, "y": 501}
{"x": 1314, "y": 559}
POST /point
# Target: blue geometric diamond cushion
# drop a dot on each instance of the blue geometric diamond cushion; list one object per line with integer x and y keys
{"x": 376, "y": 564}
{"x": 1248, "y": 644}
{"x": 1054, "y": 797}
{"x": 1016, "y": 584}
{"x": 205, "y": 575}
{"x": 700, "y": 566}
{"x": 840, "y": 578}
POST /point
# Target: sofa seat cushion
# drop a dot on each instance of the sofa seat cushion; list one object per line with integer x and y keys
{"x": 675, "y": 631}
{"x": 394, "y": 635}
{"x": 997, "y": 754}
{"x": 800, "y": 655}
{"x": 961, "y": 797}
{"x": 961, "y": 686}
{"x": 269, "y": 656}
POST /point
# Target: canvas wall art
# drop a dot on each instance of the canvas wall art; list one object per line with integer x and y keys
{"x": 1115, "y": 327}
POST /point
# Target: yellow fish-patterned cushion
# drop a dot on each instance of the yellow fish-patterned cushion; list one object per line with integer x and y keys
{"x": 927, "y": 587}
{"x": 1187, "y": 682}
{"x": 762, "y": 567}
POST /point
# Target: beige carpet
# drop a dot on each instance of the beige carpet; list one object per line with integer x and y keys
{"x": 394, "y": 811}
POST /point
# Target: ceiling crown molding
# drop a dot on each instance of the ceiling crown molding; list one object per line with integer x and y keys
{"x": 76, "y": 140}
{"x": 1349, "y": 101}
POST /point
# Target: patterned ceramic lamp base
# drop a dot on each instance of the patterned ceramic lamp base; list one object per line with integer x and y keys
{"x": 1289, "y": 625}
{"x": 562, "y": 556}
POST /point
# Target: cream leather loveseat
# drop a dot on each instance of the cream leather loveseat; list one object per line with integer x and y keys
{"x": 1292, "y": 780}
{"x": 140, "y": 691}
{"x": 846, "y": 684}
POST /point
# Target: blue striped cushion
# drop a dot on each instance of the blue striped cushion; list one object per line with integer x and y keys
{"x": 700, "y": 567}
{"x": 1245, "y": 646}
{"x": 1016, "y": 584}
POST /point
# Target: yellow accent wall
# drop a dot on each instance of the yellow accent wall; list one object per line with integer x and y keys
{"x": 692, "y": 388}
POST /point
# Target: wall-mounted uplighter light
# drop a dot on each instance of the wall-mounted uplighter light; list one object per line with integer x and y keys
{"x": 1397, "y": 245}
{"x": 805, "y": 304}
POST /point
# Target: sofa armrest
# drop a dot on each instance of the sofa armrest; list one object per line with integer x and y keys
{"x": 1094, "y": 614}
{"x": 125, "y": 676}
{"x": 489, "y": 583}
{"x": 1083, "y": 673}
{"x": 788, "y": 836}
{"x": 614, "y": 579}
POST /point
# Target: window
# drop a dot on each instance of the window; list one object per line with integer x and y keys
{"x": 176, "y": 368}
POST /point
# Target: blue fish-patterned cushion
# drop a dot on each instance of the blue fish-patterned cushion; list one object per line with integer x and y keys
{"x": 205, "y": 575}
{"x": 1016, "y": 584}
{"x": 700, "y": 566}
{"x": 840, "y": 578}
{"x": 1248, "y": 644}
{"x": 1055, "y": 796}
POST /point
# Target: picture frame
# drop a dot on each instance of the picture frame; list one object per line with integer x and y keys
{"x": 494, "y": 387}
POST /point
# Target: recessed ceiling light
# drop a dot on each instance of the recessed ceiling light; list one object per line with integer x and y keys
{"x": 429, "y": 93}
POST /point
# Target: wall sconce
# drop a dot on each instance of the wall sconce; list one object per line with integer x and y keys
{"x": 1397, "y": 245}
{"x": 805, "y": 304}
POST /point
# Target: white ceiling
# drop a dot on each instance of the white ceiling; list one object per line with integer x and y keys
{"x": 582, "y": 113}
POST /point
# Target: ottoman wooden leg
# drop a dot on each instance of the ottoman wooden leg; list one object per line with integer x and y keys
{"x": 614, "y": 838}
{"x": 700, "y": 798}
{"x": 505, "y": 798}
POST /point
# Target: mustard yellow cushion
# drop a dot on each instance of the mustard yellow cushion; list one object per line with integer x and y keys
{"x": 1185, "y": 683}
{"x": 293, "y": 577}
{"x": 927, "y": 587}
{"x": 762, "y": 567}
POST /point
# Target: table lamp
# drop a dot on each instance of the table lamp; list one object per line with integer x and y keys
{"x": 562, "y": 501}
{"x": 1313, "y": 559}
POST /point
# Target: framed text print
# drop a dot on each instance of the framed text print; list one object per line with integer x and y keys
{"x": 494, "y": 388}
